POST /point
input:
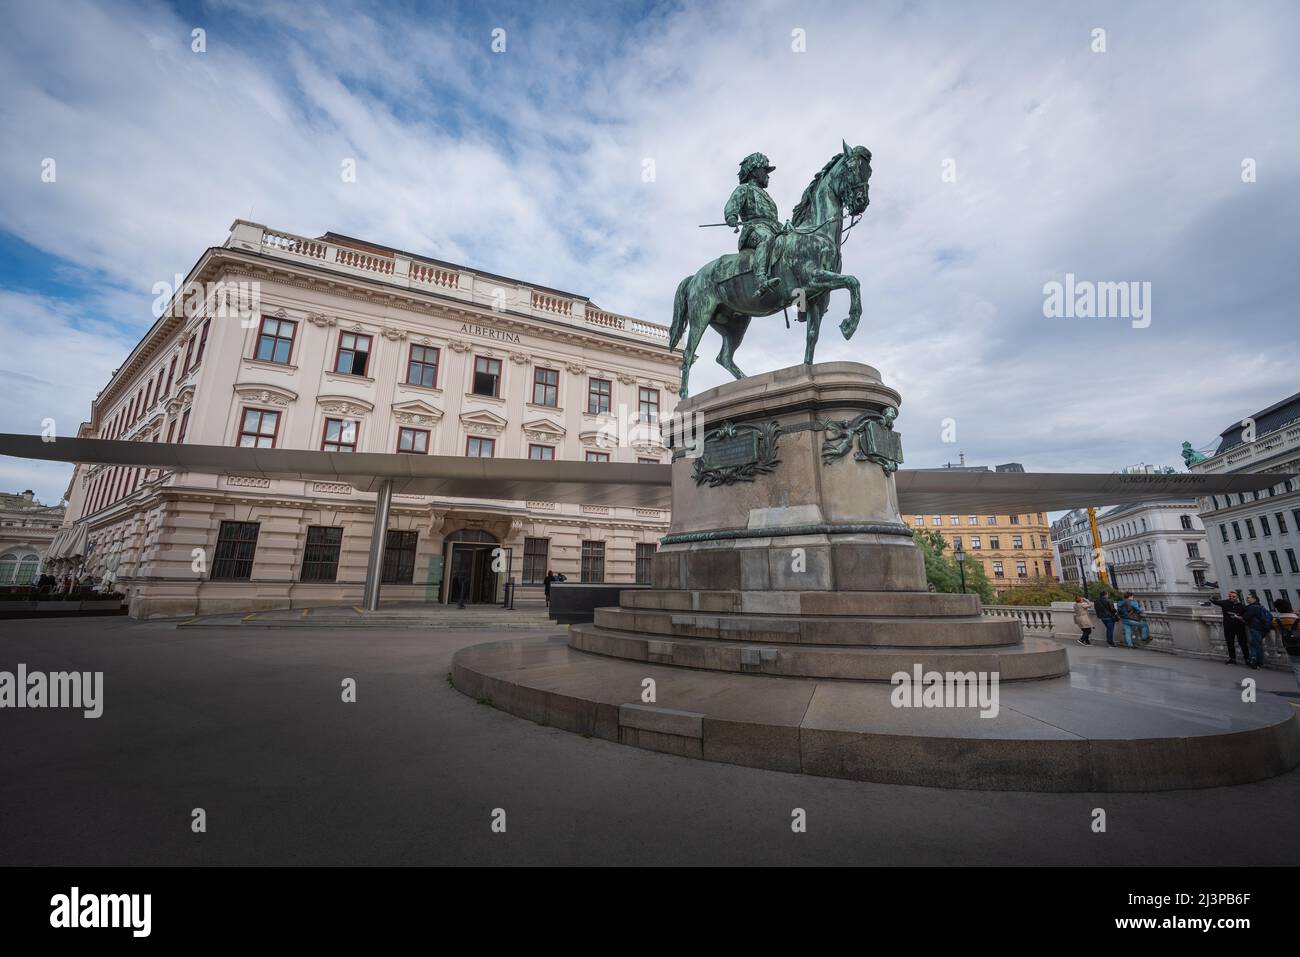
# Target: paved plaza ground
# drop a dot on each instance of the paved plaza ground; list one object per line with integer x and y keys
{"x": 248, "y": 724}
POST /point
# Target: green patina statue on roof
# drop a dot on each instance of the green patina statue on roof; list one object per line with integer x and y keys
{"x": 1191, "y": 456}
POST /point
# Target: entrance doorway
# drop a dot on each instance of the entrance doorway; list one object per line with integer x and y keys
{"x": 476, "y": 568}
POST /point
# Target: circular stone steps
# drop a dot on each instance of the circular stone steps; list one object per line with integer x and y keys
{"x": 973, "y": 631}
{"x": 1032, "y": 659}
{"x": 1114, "y": 724}
{"x": 822, "y": 603}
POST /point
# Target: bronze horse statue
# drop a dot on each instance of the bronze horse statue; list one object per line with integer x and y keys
{"x": 805, "y": 257}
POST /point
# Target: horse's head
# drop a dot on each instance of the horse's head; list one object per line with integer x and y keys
{"x": 851, "y": 176}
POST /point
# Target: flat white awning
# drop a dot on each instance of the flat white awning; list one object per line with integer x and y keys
{"x": 920, "y": 492}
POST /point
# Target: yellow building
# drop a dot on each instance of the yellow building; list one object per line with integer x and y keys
{"x": 1013, "y": 549}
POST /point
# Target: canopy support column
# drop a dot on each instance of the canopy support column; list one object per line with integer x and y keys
{"x": 375, "y": 567}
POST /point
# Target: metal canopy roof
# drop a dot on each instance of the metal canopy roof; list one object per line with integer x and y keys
{"x": 920, "y": 492}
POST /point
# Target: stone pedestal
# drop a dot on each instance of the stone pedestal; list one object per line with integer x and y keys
{"x": 787, "y": 595}
{"x": 787, "y": 554}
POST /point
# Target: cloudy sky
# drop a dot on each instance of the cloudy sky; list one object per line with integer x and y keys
{"x": 1122, "y": 165}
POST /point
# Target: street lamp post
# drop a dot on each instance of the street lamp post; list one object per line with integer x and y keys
{"x": 961, "y": 566}
{"x": 1083, "y": 578}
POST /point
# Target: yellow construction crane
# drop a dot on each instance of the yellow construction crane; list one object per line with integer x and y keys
{"x": 1096, "y": 546}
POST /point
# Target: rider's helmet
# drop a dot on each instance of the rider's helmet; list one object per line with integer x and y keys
{"x": 752, "y": 162}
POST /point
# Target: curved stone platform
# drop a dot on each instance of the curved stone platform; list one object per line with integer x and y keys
{"x": 1111, "y": 725}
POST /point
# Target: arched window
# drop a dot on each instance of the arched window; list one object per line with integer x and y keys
{"x": 19, "y": 566}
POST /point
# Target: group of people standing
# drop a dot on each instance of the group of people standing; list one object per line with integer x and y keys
{"x": 1127, "y": 613}
{"x": 1246, "y": 624}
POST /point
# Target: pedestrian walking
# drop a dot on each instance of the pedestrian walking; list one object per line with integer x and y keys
{"x": 1083, "y": 620}
{"x": 546, "y": 585}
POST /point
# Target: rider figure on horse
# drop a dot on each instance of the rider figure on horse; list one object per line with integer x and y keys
{"x": 755, "y": 211}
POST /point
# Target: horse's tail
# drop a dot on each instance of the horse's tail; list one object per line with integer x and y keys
{"x": 679, "y": 314}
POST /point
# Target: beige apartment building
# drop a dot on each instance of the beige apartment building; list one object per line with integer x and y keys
{"x": 283, "y": 341}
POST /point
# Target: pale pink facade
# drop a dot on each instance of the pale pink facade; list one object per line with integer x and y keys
{"x": 413, "y": 333}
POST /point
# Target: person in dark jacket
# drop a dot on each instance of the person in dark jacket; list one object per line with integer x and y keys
{"x": 1234, "y": 627}
{"x": 1107, "y": 615}
{"x": 1258, "y": 622}
{"x": 546, "y": 585}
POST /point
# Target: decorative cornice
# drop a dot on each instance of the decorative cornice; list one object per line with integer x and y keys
{"x": 415, "y": 412}
{"x": 344, "y": 405}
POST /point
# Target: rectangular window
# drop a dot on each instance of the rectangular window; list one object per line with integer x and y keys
{"x": 1186, "y": 521}
{"x": 320, "y": 558}
{"x": 1281, "y": 522}
{"x": 541, "y": 453}
{"x": 1017, "y": 541}
{"x": 171, "y": 374}
{"x": 973, "y": 520}
{"x": 415, "y": 441}
{"x": 480, "y": 448}
{"x": 1291, "y": 560}
{"x": 1015, "y": 519}
{"x": 1277, "y": 564}
{"x": 258, "y": 429}
{"x": 1047, "y": 565}
{"x": 956, "y": 543}
{"x": 954, "y": 520}
{"x": 994, "y": 542}
{"x": 648, "y": 404}
{"x": 1245, "y": 565}
{"x": 536, "y": 553}
{"x": 546, "y": 387}
{"x": 1232, "y": 566}
{"x": 353, "y": 355}
{"x": 1295, "y": 517}
{"x": 1198, "y": 578}
{"x": 1250, "y": 528}
{"x": 645, "y": 553}
{"x": 275, "y": 340}
{"x": 992, "y": 520}
{"x": 645, "y": 461}
{"x": 1021, "y": 570}
{"x": 597, "y": 456}
{"x": 1193, "y": 550}
{"x": 1223, "y": 530}
{"x": 340, "y": 436}
{"x": 975, "y": 543}
{"x": 487, "y": 376}
{"x": 236, "y": 546}
{"x": 185, "y": 424}
{"x": 936, "y": 519}
{"x": 593, "y": 561}
{"x": 422, "y": 367}
{"x": 997, "y": 570}
{"x": 399, "y": 557}
{"x": 1236, "y": 530}
{"x": 598, "y": 396}
{"x": 1264, "y": 528}
{"x": 189, "y": 348}
{"x": 1259, "y": 563}
{"x": 171, "y": 429}
{"x": 203, "y": 343}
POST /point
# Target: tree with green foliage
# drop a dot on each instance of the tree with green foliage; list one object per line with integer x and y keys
{"x": 941, "y": 571}
{"x": 1040, "y": 592}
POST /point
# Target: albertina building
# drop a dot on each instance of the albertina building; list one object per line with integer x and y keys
{"x": 281, "y": 341}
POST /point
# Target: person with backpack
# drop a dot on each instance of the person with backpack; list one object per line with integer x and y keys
{"x": 1288, "y": 626}
{"x": 1107, "y": 615}
{"x": 1234, "y": 627}
{"x": 1130, "y": 613}
{"x": 1259, "y": 621}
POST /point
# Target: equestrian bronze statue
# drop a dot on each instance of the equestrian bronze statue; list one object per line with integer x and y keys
{"x": 777, "y": 266}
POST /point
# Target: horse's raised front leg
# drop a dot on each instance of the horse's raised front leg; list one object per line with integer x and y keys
{"x": 842, "y": 280}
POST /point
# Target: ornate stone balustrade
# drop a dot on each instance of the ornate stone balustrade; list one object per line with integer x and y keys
{"x": 464, "y": 284}
{"x": 1036, "y": 621}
